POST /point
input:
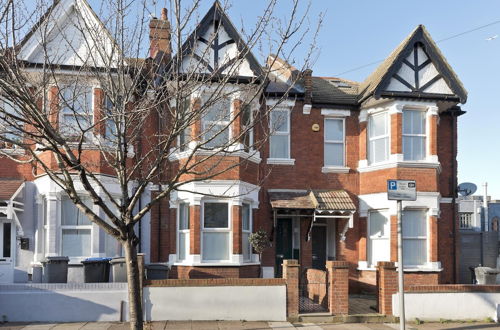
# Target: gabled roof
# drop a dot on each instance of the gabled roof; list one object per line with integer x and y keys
{"x": 214, "y": 17}
{"x": 331, "y": 200}
{"x": 57, "y": 17}
{"x": 9, "y": 187}
{"x": 375, "y": 83}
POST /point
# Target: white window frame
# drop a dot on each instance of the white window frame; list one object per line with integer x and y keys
{"x": 185, "y": 232}
{"x": 72, "y": 227}
{"x": 62, "y": 107}
{"x": 341, "y": 142}
{"x": 274, "y": 132}
{"x": 12, "y": 246}
{"x": 424, "y": 238}
{"x": 227, "y": 230}
{"x": 247, "y": 231}
{"x": 3, "y": 126}
{"x": 250, "y": 131}
{"x": 424, "y": 135}
{"x": 370, "y": 238}
{"x": 387, "y": 136}
{"x": 208, "y": 124}
{"x": 466, "y": 218}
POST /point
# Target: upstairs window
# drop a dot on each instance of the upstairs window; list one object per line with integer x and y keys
{"x": 414, "y": 237}
{"x": 466, "y": 220}
{"x": 76, "y": 115}
{"x": 76, "y": 229}
{"x": 215, "y": 123}
{"x": 183, "y": 115}
{"x": 280, "y": 133}
{"x": 9, "y": 127}
{"x": 414, "y": 135}
{"x": 246, "y": 127}
{"x": 378, "y": 138}
{"x": 334, "y": 142}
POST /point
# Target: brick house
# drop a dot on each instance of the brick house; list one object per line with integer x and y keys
{"x": 317, "y": 186}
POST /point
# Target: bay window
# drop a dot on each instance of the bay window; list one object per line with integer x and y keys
{"x": 378, "y": 137}
{"x": 183, "y": 231}
{"x": 246, "y": 127}
{"x": 414, "y": 139}
{"x": 246, "y": 229}
{"x": 378, "y": 237}
{"x": 280, "y": 133}
{"x": 76, "y": 229}
{"x": 414, "y": 237}
{"x": 215, "y": 123}
{"x": 76, "y": 114}
{"x": 185, "y": 134}
{"x": 216, "y": 232}
{"x": 334, "y": 142}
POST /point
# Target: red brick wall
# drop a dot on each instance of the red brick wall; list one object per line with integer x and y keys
{"x": 185, "y": 272}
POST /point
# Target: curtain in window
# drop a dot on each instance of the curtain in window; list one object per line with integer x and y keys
{"x": 414, "y": 135}
{"x": 414, "y": 237}
{"x": 379, "y": 232}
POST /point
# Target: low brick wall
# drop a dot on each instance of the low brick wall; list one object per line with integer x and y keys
{"x": 450, "y": 288}
{"x": 217, "y": 282}
{"x": 316, "y": 286}
{"x": 188, "y": 272}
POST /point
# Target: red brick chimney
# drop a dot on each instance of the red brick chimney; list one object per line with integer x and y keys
{"x": 307, "y": 74}
{"x": 159, "y": 36}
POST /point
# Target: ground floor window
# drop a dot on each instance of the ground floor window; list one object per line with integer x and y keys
{"x": 5, "y": 239}
{"x": 414, "y": 237}
{"x": 216, "y": 232}
{"x": 76, "y": 229}
{"x": 378, "y": 237}
{"x": 183, "y": 232}
{"x": 246, "y": 229}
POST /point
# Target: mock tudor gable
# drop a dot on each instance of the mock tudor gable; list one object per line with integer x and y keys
{"x": 415, "y": 69}
{"x": 216, "y": 48}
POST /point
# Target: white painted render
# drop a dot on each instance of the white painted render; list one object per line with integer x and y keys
{"x": 450, "y": 306}
{"x": 250, "y": 303}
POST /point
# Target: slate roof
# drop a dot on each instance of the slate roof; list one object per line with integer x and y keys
{"x": 332, "y": 90}
{"x": 9, "y": 187}
{"x": 332, "y": 200}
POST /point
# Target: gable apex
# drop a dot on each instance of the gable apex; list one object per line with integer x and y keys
{"x": 416, "y": 68}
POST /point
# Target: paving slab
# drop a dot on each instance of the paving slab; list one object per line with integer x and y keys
{"x": 97, "y": 326}
{"x": 39, "y": 326}
{"x": 280, "y": 325}
{"x": 69, "y": 326}
{"x": 181, "y": 325}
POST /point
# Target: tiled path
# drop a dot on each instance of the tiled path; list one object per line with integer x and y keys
{"x": 361, "y": 304}
{"x": 238, "y": 325}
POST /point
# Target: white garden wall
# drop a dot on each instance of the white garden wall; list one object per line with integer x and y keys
{"x": 250, "y": 303}
{"x": 450, "y": 306}
{"x": 63, "y": 302}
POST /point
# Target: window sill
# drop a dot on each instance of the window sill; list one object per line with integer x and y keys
{"x": 281, "y": 161}
{"x": 385, "y": 165}
{"x": 335, "y": 169}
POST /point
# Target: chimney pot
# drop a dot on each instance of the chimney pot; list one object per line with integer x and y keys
{"x": 164, "y": 14}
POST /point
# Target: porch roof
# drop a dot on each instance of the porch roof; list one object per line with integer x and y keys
{"x": 323, "y": 200}
{"x": 9, "y": 188}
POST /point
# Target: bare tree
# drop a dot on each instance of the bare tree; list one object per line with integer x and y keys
{"x": 81, "y": 97}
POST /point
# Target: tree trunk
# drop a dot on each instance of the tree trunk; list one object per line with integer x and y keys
{"x": 134, "y": 286}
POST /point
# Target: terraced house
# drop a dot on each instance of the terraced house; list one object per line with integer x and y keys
{"x": 316, "y": 183}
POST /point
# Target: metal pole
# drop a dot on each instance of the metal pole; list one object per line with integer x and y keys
{"x": 402, "y": 325}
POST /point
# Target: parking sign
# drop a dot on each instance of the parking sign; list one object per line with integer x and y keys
{"x": 403, "y": 190}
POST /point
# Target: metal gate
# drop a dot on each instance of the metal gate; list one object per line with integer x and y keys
{"x": 313, "y": 291}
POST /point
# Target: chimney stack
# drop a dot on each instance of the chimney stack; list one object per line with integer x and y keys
{"x": 159, "y": 36}
{"x": 307, "y": 74}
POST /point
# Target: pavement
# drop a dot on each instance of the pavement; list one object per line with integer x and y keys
{"x": 241, "y": 325}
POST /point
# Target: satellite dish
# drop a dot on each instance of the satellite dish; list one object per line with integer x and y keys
{"x": 466, "y": 188}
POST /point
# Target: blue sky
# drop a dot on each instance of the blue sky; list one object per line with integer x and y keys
{"x": 358, "y": 32}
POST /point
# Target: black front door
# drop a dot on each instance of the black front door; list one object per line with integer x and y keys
{"x": 319, "y": 247}
{"x": 284, "y": 247}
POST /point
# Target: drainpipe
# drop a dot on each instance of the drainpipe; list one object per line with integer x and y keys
{"x": 485, "y": 208}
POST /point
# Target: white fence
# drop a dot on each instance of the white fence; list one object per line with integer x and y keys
{"x": 108, "y": 302}
{"x": 449, "y": 306}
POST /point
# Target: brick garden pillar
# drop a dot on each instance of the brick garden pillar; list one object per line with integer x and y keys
{"x": 338, "y": 287}
{"x": 387, "y": 284}
{"x": 291, "y": 274}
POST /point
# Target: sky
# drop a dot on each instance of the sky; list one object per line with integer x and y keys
{"x": 358, "y": 32}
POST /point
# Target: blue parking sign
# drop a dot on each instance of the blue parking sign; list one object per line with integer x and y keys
{"x": 392, "y": 184}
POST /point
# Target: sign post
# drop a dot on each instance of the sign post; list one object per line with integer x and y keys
{"x": 401, "y": 190}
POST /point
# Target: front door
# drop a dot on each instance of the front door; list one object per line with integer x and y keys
{"x": 284, "y": 244}
{"x": 319, "y": 247}
{"x": 6, "y": 252}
